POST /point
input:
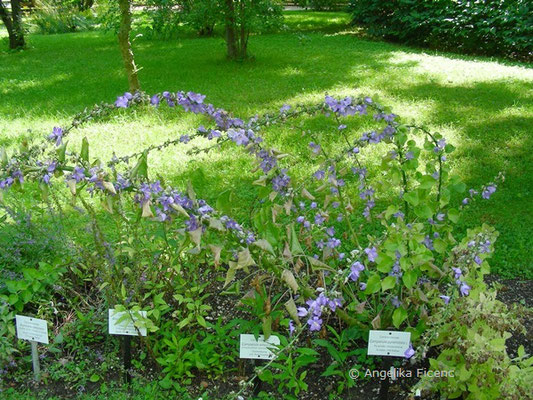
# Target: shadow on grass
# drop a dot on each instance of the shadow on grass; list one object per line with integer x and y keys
{"x": 64, "y": 73}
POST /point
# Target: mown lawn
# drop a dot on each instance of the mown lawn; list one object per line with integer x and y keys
{"x": 484, "y": 107}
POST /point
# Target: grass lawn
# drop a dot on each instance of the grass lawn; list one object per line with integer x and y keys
{"x": 484, "y": 107}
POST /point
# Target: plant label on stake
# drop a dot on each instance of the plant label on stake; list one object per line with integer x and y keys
{"x": 35, "y": 330}
{"x": 388, "y": 343}
{"x": 257, "y": 349}
{"x": 123, "y": 323}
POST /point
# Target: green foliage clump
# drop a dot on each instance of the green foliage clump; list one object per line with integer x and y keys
{"x": 168, "y": 18}
{"x": 492, "y": 27}
{"x": 471, "y": 343}
{"x": 57, "y": 16}
{"x": 30, "y": 288}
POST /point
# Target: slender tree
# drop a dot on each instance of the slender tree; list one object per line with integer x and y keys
{"x": 125, "y": 44}
{"x": 242, "y": 17}
{"x": 13, "y": 23}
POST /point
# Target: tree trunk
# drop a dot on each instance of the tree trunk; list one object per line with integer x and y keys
{"x": 242, "y": 41}
{"x": 231, "y": 36}
{"x": 16, "y": 16}
{"x": 125, "y": 45}
{"x": 13, "y": 24}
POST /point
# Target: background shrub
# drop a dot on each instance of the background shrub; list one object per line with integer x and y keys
{"x": 56, "y": 16}
{"x": 492, "y": 27}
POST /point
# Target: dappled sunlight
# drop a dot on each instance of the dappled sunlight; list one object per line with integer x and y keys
{"x": 455, "y": 71}
{"x": 482, "y": 107}
{"x": 7, "y": 87}
{"x": 291, "y": 71}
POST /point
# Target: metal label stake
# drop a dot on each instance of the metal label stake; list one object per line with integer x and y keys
{"x": 126, "y": 329}
{"x": 258, "y": 382}
{"x": 35, "y": 360}
{"x": 385, "y": 383}
{"x": 127, "y": 358}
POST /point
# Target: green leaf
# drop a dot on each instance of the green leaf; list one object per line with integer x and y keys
{"x": 183, "y": 323}
{"x": 13, "y": 298}
{"x": 61, "y": 152}
{"x": 230, "y": 274}
{"x": 444, "y": 197}
{"x": 385, "y": 263}
{"x": 165, "y": 383}
{"x": 84, "y": 154}
{"x": 411, "y": 198}
{"x": 3, "y": 156}
{"x": 308, "y": 351}
{"x": 59, "y": 338}
{"x": 26, "y": 296}
{"x": 225, "y": 201}
{"x": 401, "y": 137}
{"x": 296, "y": 248}
{"x": 392, "y": 209}
{"x": 94, "y": 378}
{"x": 521, "y": 351}
{"x": 423, "y": 211}
{"x": 388, "y": 283}
{"x": 267, "y": 327}
{"x": 190, "y": 190}
{"x": 459, "y": 187}
{"x": 266, "y": 376}
{"x": 409, "y": 279}
{"x": 373, "y": 284}
{"x": 399, "y": 315}
{"x": 440, "y": 245}
{"x": 464, "y": 374}
{"x": 453, "y": 215}
{"x": 426, "y": 182}
{"x": 141, "y": 168}
{"x": 201, "y": 321}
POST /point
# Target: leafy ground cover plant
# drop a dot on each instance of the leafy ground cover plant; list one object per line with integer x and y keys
{"x": 472, "y": 343}
{"x": 356, "y": 244}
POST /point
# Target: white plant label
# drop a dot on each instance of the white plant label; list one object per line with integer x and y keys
{"x": 257, "y": 349}
{"x": 388, "y": 343}
{"x": 32, "y": 329}
{"x": 126, "y": 326}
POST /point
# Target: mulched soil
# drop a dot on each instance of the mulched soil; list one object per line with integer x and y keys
{"x": 511, "y": 292}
